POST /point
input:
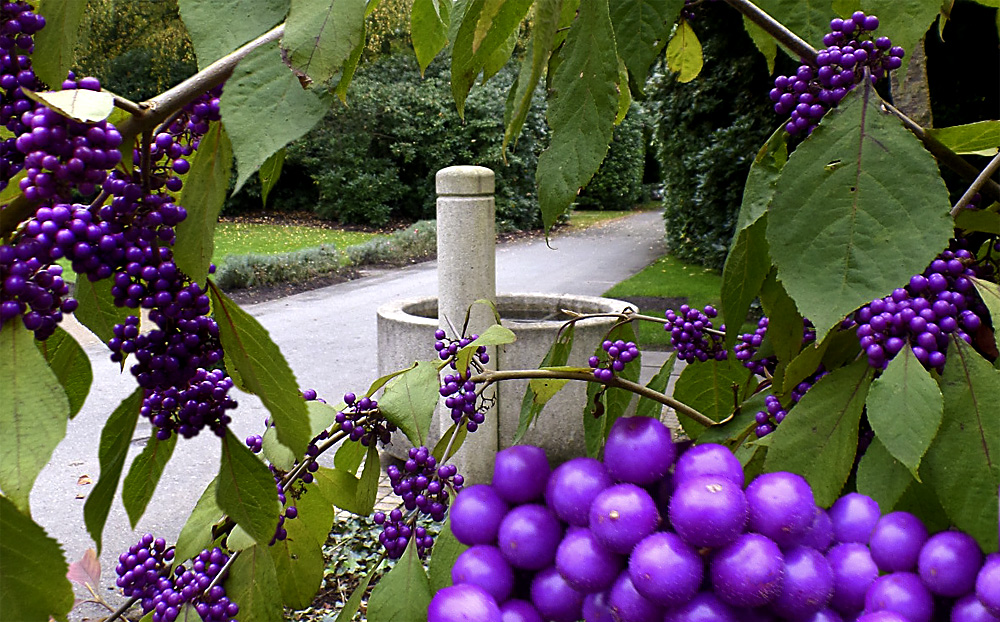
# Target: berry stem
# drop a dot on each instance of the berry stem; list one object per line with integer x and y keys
{"x": 118, "y": 613}
{"x": 490, "y": 376}
{"x": 222, "y": 571}
{"x": 983, "y": 178}
{"x": 776, "y": 29}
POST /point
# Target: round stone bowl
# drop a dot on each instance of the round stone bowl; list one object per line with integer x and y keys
{"x": 406, "y": 334}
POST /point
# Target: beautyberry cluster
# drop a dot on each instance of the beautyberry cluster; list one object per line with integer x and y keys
{"x": 424, "y": 488}
{"x": 363, "y": 422}
{"x": 692, "y": 335}
{"x": 144, "y": 573}
{"x": 619, "y": 352}
{"x": 18, "y": 25}
{"x": 463, "y": 400}
{"x": 815, "y": 88}
{"x": 642, "y": 537}
{"x": 33, "y": 289}
{"x": 936, "y": 304}
{"x": 448, "y": 348}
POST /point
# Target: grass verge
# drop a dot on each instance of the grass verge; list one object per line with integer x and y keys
{"x": 667, "y": 283}
{"x": 238, "y": 238}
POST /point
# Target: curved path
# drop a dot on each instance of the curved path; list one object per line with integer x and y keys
{"x": 328, "y": 336}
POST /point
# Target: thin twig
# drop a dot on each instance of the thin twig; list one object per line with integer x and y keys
{"x": 776, "y": 29}
{"x": 984, "y": 176}
{"x": 490, "y": 376}
{"x": 222, "y": 571}
{"x": 127, "y": 105}
{"x": 121, "y": 610}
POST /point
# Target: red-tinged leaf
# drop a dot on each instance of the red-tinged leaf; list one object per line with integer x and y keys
{"x": 86, "y": 570}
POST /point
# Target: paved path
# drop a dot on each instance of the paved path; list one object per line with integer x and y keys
{"x": 328, "y": 336}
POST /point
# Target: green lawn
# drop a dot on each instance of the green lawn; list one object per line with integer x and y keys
{"x": 241, "y": 238}
{"x": 668, "y": 277}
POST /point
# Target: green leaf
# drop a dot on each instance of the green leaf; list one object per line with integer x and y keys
{"x": 763, "y": 176}
{"x": 246, "y": 490}
{"x": 351, "y": 65}
{"x": 263, "y": 370}
{"x": 651, "y": 408}
{"x": 316, "y": 511}
{"x": 260, "y": 91}
{"x": 904, "y": 21}
{"x": 196, "y": 535}
{"x": 784, "y": 328}
{"x": 33, "y": 412}
{"x": 354, "y": 602}
{"x": 987, "y": 221}
{"x": 864, "y": 201}
{"x": 486, "y": 26}
{"x": 321, "y": 416}
{"x": 684, "y": 53}
{"x": 239, "y": 540}
{"x": 743, "y": 276}
{"x": 764, "y": 42}
{"x": 439, "y": 448}
{"x": 844, "y": 8}
{"x": 55, "y": 44}
{"x": 544, "y": 25}
{"x": 349, "y": 457}
{"x": 144, "y": 475}
{"x": 253, "y": 584}
{"x": 809, "y": 19}
{"x": 71, "y": 366}
{"x": 298, "y": 562}
{"x": 990, "y": 293}
{"x": 837, "y": 349}
{"x": 80, "y": 105}
{"x": 13, "y": 189}
{"x": 429, "y": 20}
{"x": 368, "y": 484}
{"x": 341, "y": 488}
{"x": 321, "y": 34}
{"x": 713, "y": 388}
{"x": 819, "y": 437}
{"x": 203, "y": 195}
{"x": 733, "y": 432}
{"x": 33, "y": 583}
{"x": 905, "y": 408}
{"x": 217, "y": 27}
{"x": 447, "y": 548}
{"x": 115, "y": 439}
{"x": 494, "y": 335}
{"x": 546, "y": 388}
{"x": 276, "y": 453}
{"x": 409, "y": 400}
{"x": 882, "y": 477}
{"x": 963, "y": 463}
{"x": 557, "y": 355}
{"x": 642, "y": 28}
{"x": 498, "y": 59}
{"x": 582, "y": 106}
{"x": 606, "y": 404}
{"x": 980, "y": 138}
{"x": 97, "y": 310}
{"x": 270, "y": 172}
{"x": 403, "y": 593}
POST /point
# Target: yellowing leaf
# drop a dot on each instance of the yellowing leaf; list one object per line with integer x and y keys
{"x": 684, "y": 53}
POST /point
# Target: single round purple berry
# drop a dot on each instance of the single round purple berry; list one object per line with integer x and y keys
{"x": 515, "y": 610}
{"x": 902, "y": 592}
{"x": 665, "y": 569}
{"x": 573, "y": 486}
{"x": 554, "y": 599}
{"x": 483, "y": 565}
{"x": 639, "y": 450}
{"x": 621, "y": 516}
{"x": 520, "y": 473}
{"x": 704, "y": 607}
{"x": 529, "y": 536}
{"x": 628, "y": 604}
{"x": 708, "y": 459}
{"x": 585, "y": 564}
{"x": 807, "y": 586}
{"x": 708, "y": 511}
{"x": 463, "y": 603}
{"x": 476, "y": 514}
{"x": 896, "y": 541}
{"x": 854, "y": 517}
{"x": 988, "y": 584}
{"x": 969, "y": 609}
{"x": 853, "y": 573}
{"x": 949, "y": 562}
{"x": 781, "y": 507}
{"x": 748, "y": 572}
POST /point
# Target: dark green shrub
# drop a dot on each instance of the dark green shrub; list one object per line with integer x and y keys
{"x": 617, "y": 185}
{"x": 375, "y": 159}
{"x": 706, "y": 134}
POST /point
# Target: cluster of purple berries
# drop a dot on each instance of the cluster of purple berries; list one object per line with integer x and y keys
{"x": 363, "y": 422}
{"x": 425, "y": 488}
{"x": 61, "y": 155}
{"x": 18, "y": 25}
{"x": 747, "y": 346}
{"x": 818, "y": 86}
{"x": 144, "y": 573}
{"x": 448, "y": 348}
{"x": 936, "y": 304}
{"x": 692, "y": 335}
{"x": 463, "y": 401}
{"x": 33, "y": 289}
{"x": 630, "y": 540}
{"x": 620, "y": 353}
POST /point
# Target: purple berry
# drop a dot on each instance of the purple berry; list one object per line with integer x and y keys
{"x": 520, "y": 473}
{"x": 476, "y": 515}
{"x": 665, "y": 569}
{"x": 853, "y": 573}
{"x": 704, "y": 607}
{"x": 463, "y": 603}
{"x": 854, "y": 516}
{"x": 554, "y": 599}
{"x": 708, "y": 511}
{"x": 708, "y": 459}
{"x": 807, "y": 586}
{"x": 529, "y": 536}
{"x": 949, "y": 562}
{"x": 902, "y": 592}
{"x": 748, "y": 572}
{"x": 639, "y": 450}
{"x": 621, "y": 516}
{"x": 585, "y": 564}
{"x": 988, "y": 584}
{"x": 483, "y": 565}
{"x": 896, "y": 541}
{"x": 781, "y": 507}
{"x": 515, "y": 610}
{"x": 628, "y": 604}
{"x": 573, "y": 486}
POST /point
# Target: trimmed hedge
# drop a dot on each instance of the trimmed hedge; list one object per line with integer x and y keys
{"x": 617, "y": 185}
{"x": 706, "y": 134}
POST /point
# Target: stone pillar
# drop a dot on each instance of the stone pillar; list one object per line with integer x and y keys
{"x": 466, "y": 264}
